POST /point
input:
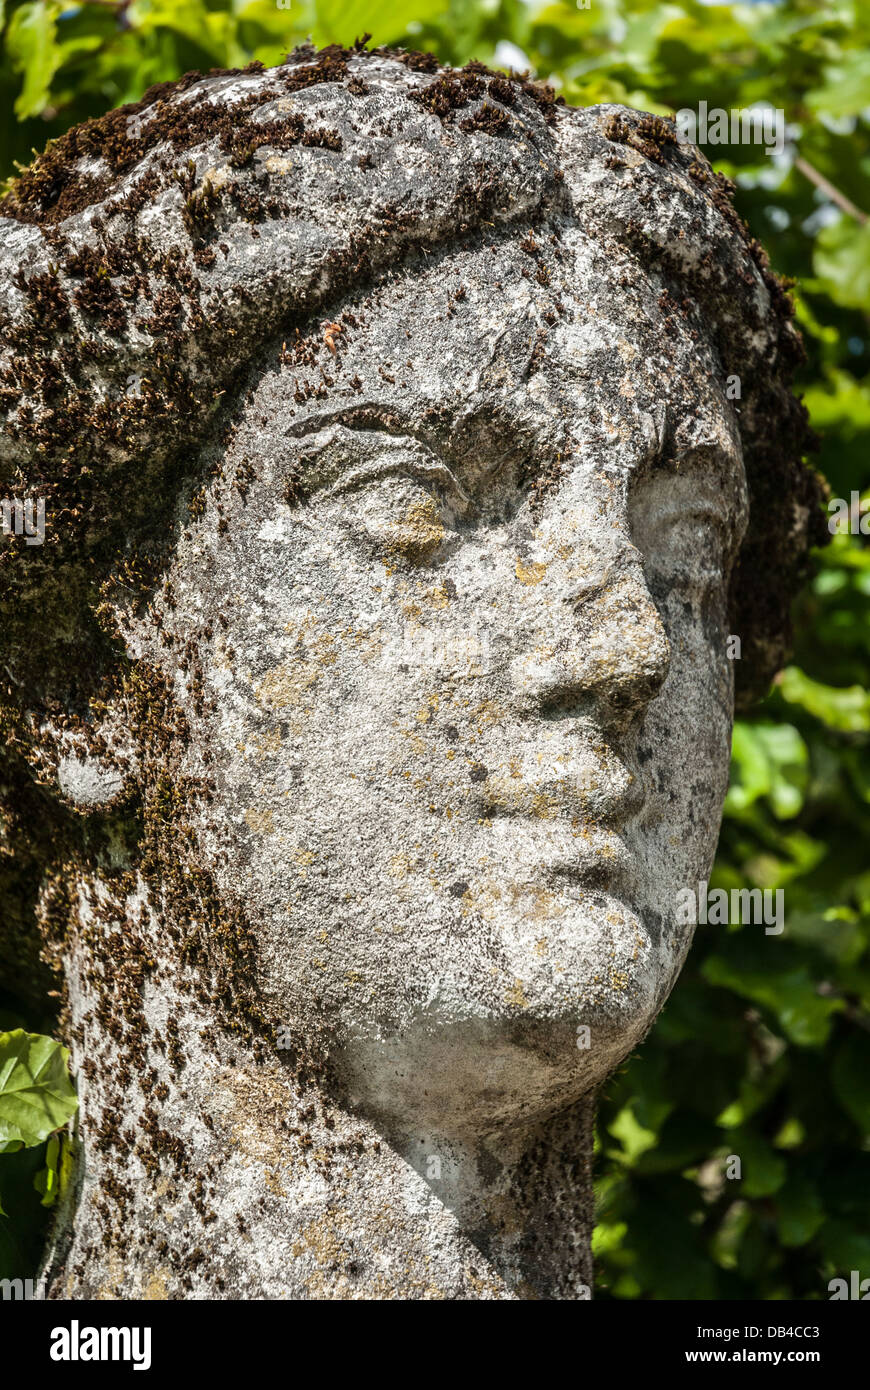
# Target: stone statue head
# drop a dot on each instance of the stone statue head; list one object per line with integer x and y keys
{"x": 415, "y": 449}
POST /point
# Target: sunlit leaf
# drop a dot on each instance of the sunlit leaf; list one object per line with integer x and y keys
{"x": 36, "y": 1093}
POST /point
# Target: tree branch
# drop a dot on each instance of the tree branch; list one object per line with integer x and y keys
{"x": 828, "y": 188}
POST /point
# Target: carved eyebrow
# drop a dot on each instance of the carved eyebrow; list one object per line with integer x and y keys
{"x": 373, "y": 416}
{"x": 700, "y": 507}
{"x": 364, "y": 416}
{"x": 410, "y": 466}
{"x": 365, "y": 420}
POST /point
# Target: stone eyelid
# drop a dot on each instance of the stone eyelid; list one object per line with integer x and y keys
{"x": 425, "y": 472}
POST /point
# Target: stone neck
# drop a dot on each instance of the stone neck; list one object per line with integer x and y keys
{"x": 224, "y": 1177}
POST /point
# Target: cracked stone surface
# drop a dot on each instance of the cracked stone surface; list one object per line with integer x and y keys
{"x": 400, "y": 509}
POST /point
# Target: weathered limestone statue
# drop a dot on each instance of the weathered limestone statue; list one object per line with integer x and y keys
{"x": 412, "y": 447}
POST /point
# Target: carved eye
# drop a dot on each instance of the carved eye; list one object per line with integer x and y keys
{"x": 683, "y": 536}
{"x": 418, "y": 534}
{"x": 399, "y": 519}
{"x": 696, "y": 552}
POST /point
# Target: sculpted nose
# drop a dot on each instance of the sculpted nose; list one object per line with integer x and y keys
{"x": 612, "y": 652}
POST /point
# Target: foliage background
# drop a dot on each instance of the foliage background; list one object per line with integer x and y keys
{"x": 764, "y": 1048}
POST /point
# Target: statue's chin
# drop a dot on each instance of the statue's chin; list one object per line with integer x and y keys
{"x": 457, "y": 1069}
{"x": 466, "y": 1082}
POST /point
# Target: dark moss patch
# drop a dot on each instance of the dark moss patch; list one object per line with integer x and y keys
{"x": 489, "y": 119}
{"x": 98, "y": 298}
{"x": 53, "y": 188}
{"x": 456, "y": 88}
{"x": 651, "y": 135}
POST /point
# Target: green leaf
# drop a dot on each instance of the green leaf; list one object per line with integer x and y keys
{"x": 342, "y": 21}
{"x": 844, "y": 91}
{"x": 839, "y": 402}
{"x": 842, "y": 262}
{"x": 763, "y": 1172}
{"x": 800, "y": 1211}
{"x": 847, "y": 710}
{"x": 755, "y": 1091}
{"x": 685, "y": 1140}
{"x": 850, "y": 1075}
{"x": 633, "y": 1137}
{"x": 789, "y": 992}
{"x": 768, "y": 760}
{"x": 46, "y": 1180}
{"x": 846, "y": 1247}
{"x": 31, "y": 42}
{"x": 36, "y": 1093}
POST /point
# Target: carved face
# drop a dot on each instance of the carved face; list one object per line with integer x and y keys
{"x": 471, "y": 739}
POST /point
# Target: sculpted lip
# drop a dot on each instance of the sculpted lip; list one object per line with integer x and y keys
{"x": 603, "y": 860}
{"x": 592, "y": 854}
{"x": 566, "y": 826}
{"x": 601, "y": 796}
